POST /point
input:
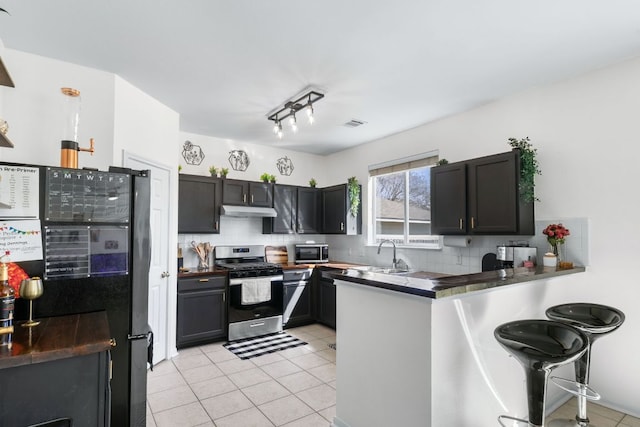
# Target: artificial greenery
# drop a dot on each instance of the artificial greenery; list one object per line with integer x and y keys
{"x": 272, "y": 178}
{"x": 179, "y": 168}
{"x": 213, "y": 170}
{"x": 224, "y": 172}
{"x": 443, "y": 162}
{"x": 354, "y": 195}
{"x": 265, "y": 177}
{"x": 313, "y": 183}
{"x": 529, "y": 168}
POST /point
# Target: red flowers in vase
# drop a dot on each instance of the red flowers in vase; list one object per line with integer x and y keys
{"x": 556, "y": 234}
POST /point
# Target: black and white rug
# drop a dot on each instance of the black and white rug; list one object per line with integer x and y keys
{"x": 253, "y": 347}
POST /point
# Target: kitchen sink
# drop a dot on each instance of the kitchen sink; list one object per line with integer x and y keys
{"x": 382, "y": 270}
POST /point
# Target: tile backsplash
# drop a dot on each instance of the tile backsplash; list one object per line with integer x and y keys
{"x": 449, "y": 260}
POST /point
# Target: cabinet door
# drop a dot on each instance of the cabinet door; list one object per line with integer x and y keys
{"x": 297, "y": 304}
{"x": 334, "y": 209}
{"x": 202, "y": 316}
{"x": 284, "y": 202}
{"x": 198, "y": 204}
{"x": 235, "y": 192}
{"x": 308, "y": 211}
{"x": 261, "y": 194}
{"x": 449, "y": 199}
{"x": 327, "y": 302}
{"x": 493, "y": 194}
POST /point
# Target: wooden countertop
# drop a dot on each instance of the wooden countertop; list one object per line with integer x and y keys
{"x": 435, "y": 285}
{"x": 57, "y": 338}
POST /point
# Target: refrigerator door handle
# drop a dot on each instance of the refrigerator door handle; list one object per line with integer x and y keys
{"x": 146, "y": 336}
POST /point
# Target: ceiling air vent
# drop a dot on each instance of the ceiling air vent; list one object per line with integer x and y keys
{"x": 353, "y": 123}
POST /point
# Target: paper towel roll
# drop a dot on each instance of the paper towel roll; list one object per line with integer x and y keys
{"x": 457, "y": 241}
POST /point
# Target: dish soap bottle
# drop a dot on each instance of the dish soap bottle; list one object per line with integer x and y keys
{"x": 7, "y": 302}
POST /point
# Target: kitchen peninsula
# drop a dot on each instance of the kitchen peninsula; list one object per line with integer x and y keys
{"x": 414, "y": 351}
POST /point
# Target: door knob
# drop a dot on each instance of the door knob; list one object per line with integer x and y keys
{"x": 165, "y": 274}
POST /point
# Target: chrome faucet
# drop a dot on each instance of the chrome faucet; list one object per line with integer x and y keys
{"x": 395, "y": 261}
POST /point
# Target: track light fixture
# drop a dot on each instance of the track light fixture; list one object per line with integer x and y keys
{"x": 290, "y": 109}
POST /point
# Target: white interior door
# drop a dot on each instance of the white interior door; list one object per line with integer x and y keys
{"x": 159, "y": 266}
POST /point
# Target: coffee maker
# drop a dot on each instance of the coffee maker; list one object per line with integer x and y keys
{"x": 516, "y": 254}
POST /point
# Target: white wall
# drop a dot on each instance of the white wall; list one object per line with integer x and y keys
{"x": 34, "y": 110}
{"x": 586, "y": 131}
{"x": 262, "y": 160}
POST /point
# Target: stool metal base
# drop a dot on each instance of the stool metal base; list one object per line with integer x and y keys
{"x": 567, "y": 423}
{"x": 515, "y": 422}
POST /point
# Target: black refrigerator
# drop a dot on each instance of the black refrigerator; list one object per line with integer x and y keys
{"x": 96, "y": 256}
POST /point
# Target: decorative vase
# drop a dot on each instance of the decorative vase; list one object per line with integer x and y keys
{"x": 555, "y": 248}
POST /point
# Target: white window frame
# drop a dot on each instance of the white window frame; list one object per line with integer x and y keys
{"x": 396, "y": 166}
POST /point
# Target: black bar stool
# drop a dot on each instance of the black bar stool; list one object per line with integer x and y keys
{"x": 539, "y": 346}
{"x": 594, "y": 320}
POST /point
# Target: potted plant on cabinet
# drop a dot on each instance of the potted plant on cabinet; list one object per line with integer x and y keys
{"x": 354, "y": 195}
{"x": 312, "y": 183}
{"x": 265, "y": 177}
{"x": 529, "y": 168}
{"x": 213, "y": 171}
{"x": 224, "y": 172}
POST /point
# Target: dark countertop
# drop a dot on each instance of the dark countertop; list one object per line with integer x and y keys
{"x": 436, "y": 285}
{"x": 212, "y": 271}
{"x": 57, "y": 338}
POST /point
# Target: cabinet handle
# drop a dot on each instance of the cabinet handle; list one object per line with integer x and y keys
{"x": 244, "y": 198}
{"x": 224, "y": 297}
{"x": 473, "y": 223}
{"x": 203, "y": 280}
{"x": 461, "y": 223}
{"x": 342, "y": 226}
{"x": 216, "y": 226}
{"x": 252, "y": 199}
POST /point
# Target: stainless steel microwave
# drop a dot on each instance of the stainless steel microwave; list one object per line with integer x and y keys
{"x": 310, "y": 253}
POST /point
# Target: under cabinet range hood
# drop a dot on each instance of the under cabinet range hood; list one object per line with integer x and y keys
{"x": 247, "y": 211}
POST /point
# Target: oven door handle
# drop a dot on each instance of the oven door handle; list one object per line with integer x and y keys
{"x": 238, "y": 281}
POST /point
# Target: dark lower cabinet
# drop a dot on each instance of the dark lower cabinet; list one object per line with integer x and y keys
{"x": 325, "y": 298}
{"x": 297, "y": 298}
{"x": 202, "y": 310}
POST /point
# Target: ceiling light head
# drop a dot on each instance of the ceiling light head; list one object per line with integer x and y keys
{"x": 276, "y": 126}
{"x": 279, "y": 132}
{"x": 293, "y": 122}
{"x": 310, "y": 112}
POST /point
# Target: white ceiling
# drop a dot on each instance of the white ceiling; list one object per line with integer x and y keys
{"x": 225, "y": 65}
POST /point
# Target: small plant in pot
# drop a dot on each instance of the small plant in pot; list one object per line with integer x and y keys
{"x": 312, "y": 183}
{"x": 224, "y": 172}
{"x": 265, "y": 177}
{"x": 213, "y": 171}
{"x": 272, "y": 179}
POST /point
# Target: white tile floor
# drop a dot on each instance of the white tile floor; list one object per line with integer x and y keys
{"x": 209, "y": 386}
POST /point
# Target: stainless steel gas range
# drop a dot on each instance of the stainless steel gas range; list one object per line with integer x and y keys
{"x": 255, "y": 291}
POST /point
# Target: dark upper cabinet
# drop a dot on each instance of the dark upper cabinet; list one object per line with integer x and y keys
{"x": 285, "y": 200}
{"x": 336, "y": 212}
{"x": 298, "y": 210}
{"x": 480, "y": 196}
{"x": 250, "y": 193}
{"x": 198, "y": 204}
{"x": 308, "y": 211}
{"x": 449, "y": 199}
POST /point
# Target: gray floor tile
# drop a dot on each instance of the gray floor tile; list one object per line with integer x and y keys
{"x": 213, "y": 387}
{"x": 189, "y": 415}
{"x": 265, "y": 392}
{"x": 285, "y": 410}
{"x": 202, "y": 373}
{"x": 226, "y": 404}
{"x": 318, "y": 398}
{"x": 299, "y": 381}
{"x": 172, "y": 398}
{"x": 251, "y": 417}
{"x": 313, "y": 420}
